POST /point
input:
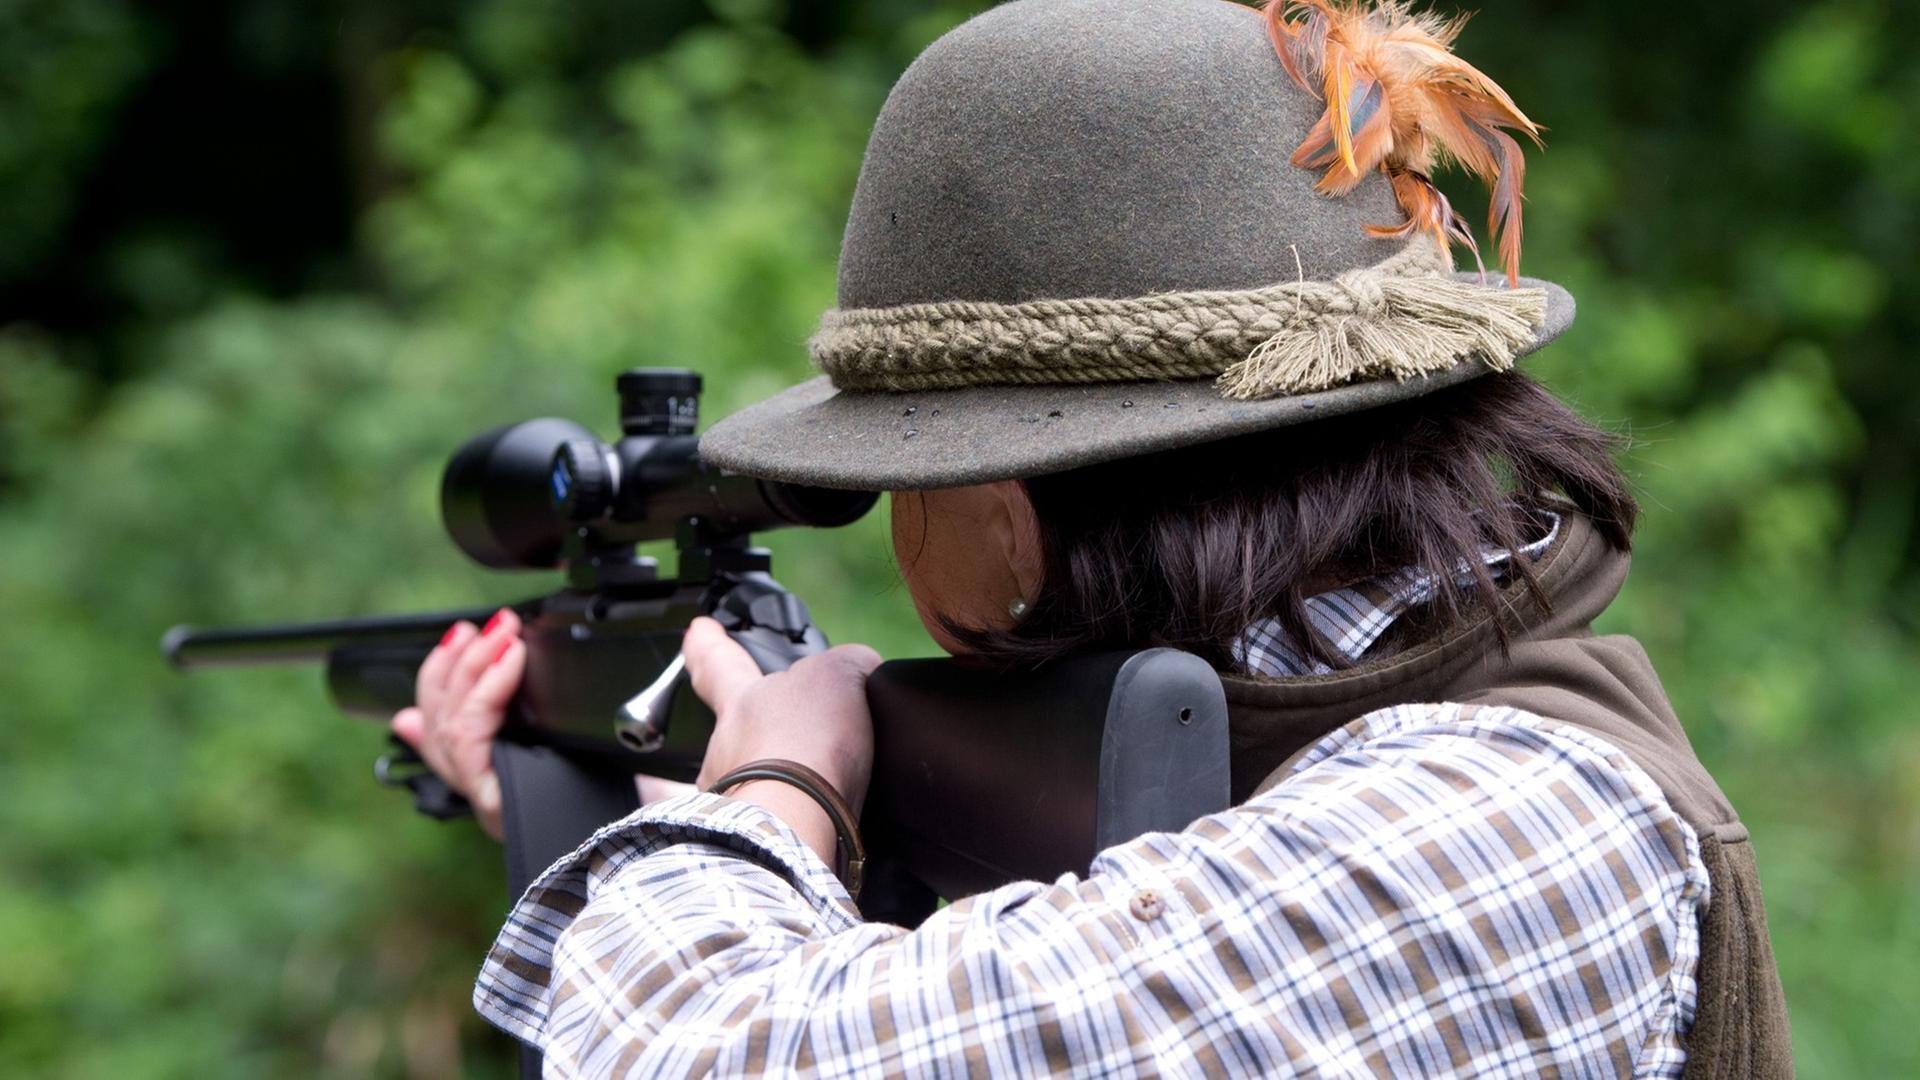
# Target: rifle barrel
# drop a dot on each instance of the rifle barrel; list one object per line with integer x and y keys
{"x": 189, "y": 647}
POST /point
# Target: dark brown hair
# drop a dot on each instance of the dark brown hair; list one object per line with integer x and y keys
{"x": 1189, "y": 547}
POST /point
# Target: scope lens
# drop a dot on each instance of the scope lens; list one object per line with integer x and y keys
{"x": 496, "y": 496}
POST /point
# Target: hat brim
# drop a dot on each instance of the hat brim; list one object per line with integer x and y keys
{"x": 918, "y": 440}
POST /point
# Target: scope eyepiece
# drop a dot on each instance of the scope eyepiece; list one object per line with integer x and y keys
{"x": 819, "y": 507}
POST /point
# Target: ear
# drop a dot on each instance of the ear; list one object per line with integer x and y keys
{"x": 1019, "y": 536}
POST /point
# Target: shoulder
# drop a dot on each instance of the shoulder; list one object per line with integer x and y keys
{"x": 1482, "y": 773}
{"x": 1493, "y": 753}
{"x": 1544, "y": 862}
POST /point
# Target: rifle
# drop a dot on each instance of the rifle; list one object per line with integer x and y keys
{"x": 982, "y": 776}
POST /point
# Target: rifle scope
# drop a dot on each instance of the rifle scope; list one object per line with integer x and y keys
{"x": 512, "y": 496}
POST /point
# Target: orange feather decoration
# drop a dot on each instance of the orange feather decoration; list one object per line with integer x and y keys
{"x": 1400, "y": 102}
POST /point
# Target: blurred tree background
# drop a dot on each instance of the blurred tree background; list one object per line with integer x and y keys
{"x": 263, "y": 264}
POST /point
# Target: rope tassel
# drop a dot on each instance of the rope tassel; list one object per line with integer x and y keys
{"x": 1371, "y": 325}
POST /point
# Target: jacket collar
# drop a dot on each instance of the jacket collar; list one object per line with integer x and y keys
{"x": 1270, "y": 720}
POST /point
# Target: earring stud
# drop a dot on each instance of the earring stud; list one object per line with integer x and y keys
{"x": 1017, "y": 607}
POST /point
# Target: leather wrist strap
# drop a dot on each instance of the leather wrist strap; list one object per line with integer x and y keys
{"x": 850, "y": 856}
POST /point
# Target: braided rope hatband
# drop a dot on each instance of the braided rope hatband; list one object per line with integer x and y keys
{"x": 1402, "y": 317}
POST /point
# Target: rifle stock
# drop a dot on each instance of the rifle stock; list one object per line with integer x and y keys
{"x": 985, "y": 776}
{"x": 981, "y": 775}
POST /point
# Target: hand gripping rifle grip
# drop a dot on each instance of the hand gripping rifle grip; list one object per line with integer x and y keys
{"x": 770, "y": 623}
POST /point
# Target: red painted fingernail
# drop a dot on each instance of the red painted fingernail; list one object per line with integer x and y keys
{"x": 505, "y": 644}
{"x": 448, "y": 636}
{"x": 495, "y": 621}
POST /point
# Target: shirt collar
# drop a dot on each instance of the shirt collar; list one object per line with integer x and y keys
{"x": 1353, "y": 618}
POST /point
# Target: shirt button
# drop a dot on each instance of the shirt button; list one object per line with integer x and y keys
{"x": 1146, "y": 905}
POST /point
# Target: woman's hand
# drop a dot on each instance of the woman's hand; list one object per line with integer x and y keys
{"x": 814, "y": 713}
{"x": 460, "y": 698}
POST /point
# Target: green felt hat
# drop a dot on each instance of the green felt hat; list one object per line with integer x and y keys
{"x": 1079, "y": 235}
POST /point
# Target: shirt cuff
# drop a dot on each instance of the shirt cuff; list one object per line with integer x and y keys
{"x": 514, "y": 984}
{"x": 742, "y": 828}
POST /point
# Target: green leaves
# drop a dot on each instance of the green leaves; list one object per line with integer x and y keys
{"x": 66, "y": 65}
{"x": 197, "y": 876}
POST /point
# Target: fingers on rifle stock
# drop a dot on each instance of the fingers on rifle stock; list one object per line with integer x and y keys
{"x": 486, "y": 704}
{"x": 482, "y": 682}
{"x": 448, "y": 719}
{"x": 408, "y": 725}
{"x": 719, "y": 668}
{"x": 861, "y": 657}
{"x": 429, "y": 685}
{"x": 472, "y": 659}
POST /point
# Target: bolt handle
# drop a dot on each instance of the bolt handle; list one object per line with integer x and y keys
{"x": 772, "y": 624}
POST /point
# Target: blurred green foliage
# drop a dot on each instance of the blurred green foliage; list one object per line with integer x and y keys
{"x": 262, "y": 267}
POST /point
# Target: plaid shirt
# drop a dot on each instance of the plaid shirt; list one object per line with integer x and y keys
{"x": 1433, "y": 889}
